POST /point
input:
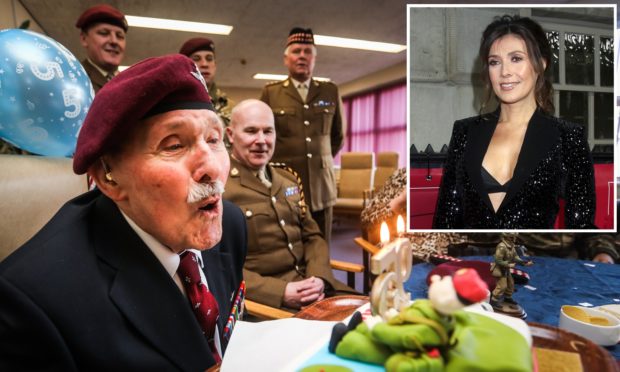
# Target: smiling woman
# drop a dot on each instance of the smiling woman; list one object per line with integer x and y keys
{"x": 509, "y": 169}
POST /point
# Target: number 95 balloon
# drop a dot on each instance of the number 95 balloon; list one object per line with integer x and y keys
{"x": 44, "y": 93}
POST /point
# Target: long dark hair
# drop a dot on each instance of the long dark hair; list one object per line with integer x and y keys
{"x": 537, "y": 48}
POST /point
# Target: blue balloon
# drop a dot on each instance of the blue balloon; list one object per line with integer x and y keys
{"x": 44, "y": 93}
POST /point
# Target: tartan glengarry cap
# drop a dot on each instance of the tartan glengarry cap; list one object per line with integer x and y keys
{"x": 300, "y": 36}
{"x": 151, "y": 87}
{"x": 102, "y": 13}
{"x": 196, "y": 44}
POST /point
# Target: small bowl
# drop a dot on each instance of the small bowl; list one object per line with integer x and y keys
{"x": 605, "y": 335}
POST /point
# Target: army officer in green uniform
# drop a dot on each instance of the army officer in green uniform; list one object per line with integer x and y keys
{"x": 309, "y": 124}
{"x": 287, "y": 264}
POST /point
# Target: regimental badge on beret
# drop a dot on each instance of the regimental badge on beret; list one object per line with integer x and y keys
{"x": 196, "y": 73}
{"x": 300, "y": 36}
{"x": 102, "y": 13}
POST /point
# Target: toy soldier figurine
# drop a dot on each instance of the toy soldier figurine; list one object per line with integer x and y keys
{"x": 505, "y": 258}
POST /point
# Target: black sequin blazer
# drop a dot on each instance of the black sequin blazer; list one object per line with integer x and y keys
{"x": 554, "y": 162}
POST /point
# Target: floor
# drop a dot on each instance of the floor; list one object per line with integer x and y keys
{"x": 343, "y": 248}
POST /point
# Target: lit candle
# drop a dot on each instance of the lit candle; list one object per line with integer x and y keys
{"x": 400, "y": 226}
{"x": 392, "y": 265}
{"x": 384, "y": 234}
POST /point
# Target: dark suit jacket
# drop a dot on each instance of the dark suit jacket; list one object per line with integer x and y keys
{"x": 554, "y": 162}
{"x": 94, "y": 75}
{"x": 309, "y": 135}
{"x": 85, "y": 293}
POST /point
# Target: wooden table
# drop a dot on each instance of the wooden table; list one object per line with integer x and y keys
{"x": 332, "y": 308}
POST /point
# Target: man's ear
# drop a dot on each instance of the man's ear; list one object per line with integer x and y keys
{"x": 103, "y": 176}
{"x": 229, "y": 134}
{"x": 83, "y": 39}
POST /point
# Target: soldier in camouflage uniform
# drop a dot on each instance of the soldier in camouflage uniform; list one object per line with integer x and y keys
{"x": 202, "y": 51}
{"x": 506, "y": 257}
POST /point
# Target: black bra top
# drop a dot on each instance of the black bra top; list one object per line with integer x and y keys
{"x": 490, "y": 184}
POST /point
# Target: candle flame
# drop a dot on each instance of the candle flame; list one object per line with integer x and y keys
{"x": 384, "y": 233}
{"x": 400, "y": 225}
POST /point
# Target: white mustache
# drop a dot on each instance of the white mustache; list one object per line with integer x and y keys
{"x": 198, "y": 191}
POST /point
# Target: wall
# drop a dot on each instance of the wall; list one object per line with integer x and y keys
{"x": 376, "y": 79}
{"x": 237, "y": 94}
{"x": 12, "y": 14}
{"x": 444, "y": 85}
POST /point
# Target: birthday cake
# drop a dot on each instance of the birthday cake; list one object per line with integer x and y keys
{"x": 446, "y": 332}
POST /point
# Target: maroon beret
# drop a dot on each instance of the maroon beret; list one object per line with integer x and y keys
{"x": 151, "y": 87}
{"x": 196, "y": 44}
{"x": 300, "y": 36}
{"x": 103, "y": 13}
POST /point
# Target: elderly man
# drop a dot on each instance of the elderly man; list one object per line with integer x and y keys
{"x": 202, "y": 51}
{"x": 114, "y": 281}
{"x": 103, "y": 30}
{"x": 309, "y": 124}
{"x": 288, "y": 259}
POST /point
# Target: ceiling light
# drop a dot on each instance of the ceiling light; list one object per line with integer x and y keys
{"x": 343, "y": 42}
{"x": 172, "y": 24}
{"x": 276, "y": 77}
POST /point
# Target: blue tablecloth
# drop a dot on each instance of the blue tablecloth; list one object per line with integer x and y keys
{"x": 555, "y": 282}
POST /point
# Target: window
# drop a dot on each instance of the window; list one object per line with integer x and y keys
{"x": 582, "y": 75}
{"x": 377, "y": 122}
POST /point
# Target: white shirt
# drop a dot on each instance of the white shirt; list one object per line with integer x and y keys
{"x": 170, "y": 261}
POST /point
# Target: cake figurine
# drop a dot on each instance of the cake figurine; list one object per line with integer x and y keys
{"x": 505, "y": 258}
{"x": 418, "y": 335}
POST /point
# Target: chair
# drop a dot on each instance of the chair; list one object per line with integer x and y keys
{"x": 355, "y": 179}
{"x": 386, "y": 164}
{"x": 32, "y": 190}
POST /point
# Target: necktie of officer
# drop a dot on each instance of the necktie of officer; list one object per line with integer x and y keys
{"x": 303, "y": 91}
{"x": 203, "y": 303}
{"x": 263, "y": 178}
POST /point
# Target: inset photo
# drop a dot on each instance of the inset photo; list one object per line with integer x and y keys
{"x": 512, "y": 118}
